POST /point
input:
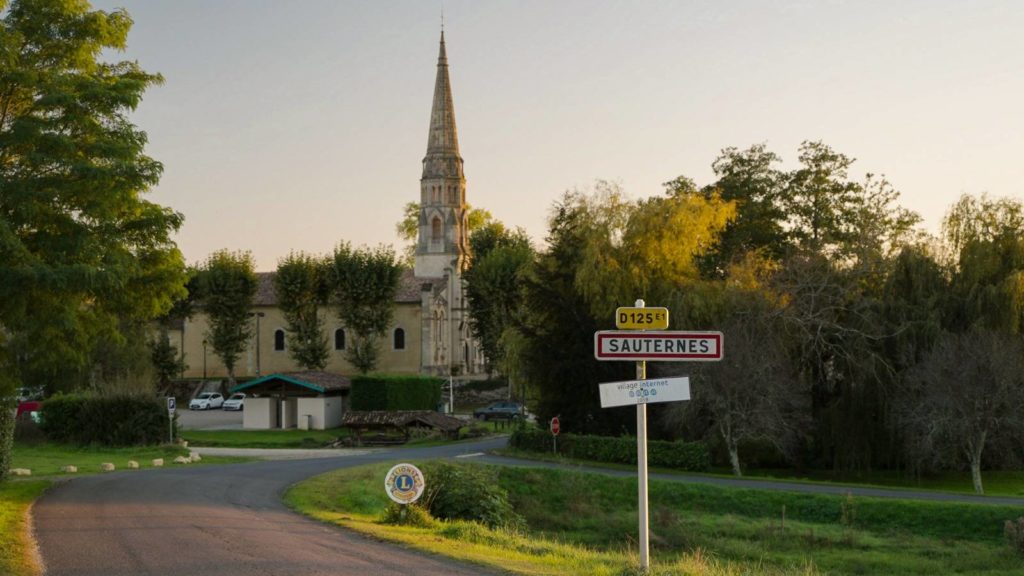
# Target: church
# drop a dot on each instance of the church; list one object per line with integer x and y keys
{"x": 430, "y": 332}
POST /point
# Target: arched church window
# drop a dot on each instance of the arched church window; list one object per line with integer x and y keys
{"x": 399, "y": 339}
{"x": 435, "y": 230}
{"x": 339, "y": 339}
{"x": 278, "y": 339}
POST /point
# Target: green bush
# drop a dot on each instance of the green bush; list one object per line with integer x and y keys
{"x": 691, "y": 456}
{"x": 395, "y": 393}
{"x": 410, "y": 515}
{"x": 468, "y": 492}
{"x": 120, "y": 420}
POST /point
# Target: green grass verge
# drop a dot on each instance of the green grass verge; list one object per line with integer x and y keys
{"x": 16, "y": 544}
{"x": 585, "y": 524}
{"x": 263, "y": 438}
{"x": 47, "y": 459}
{"x": 997, "y": 482}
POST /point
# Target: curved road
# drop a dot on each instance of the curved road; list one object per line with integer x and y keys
{"x": 229, "y": 520}
{"x": 219, "y": 521}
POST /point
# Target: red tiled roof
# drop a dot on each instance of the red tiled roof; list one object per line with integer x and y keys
{"x": 409, "y": 288}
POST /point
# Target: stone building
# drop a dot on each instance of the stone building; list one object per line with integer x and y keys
{"x": 430, "y": 332}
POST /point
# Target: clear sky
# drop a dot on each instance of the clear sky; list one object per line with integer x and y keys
{"x": 294, "y": 125}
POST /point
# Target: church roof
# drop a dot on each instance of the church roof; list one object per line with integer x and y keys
{"x": 321, "y": 382}
{"x": 409, "y": 288}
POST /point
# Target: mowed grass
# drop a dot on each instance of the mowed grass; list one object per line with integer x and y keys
{"x": 16, "y": 544}
{"x": 586, "y": 524}
{"x": 47, "y": 459}
{"x": 263, "y": 438}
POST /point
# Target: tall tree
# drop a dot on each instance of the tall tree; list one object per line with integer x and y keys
{"x": 363, "y": 283}
{"x": 966, "y": 394}
{"x": 301, "y": 287}
{"x": 227, "y": 287}
{"x": 81, "y": 252}
{"x": 493, "y": 285}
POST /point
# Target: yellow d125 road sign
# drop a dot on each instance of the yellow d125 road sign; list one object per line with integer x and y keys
{"x": 652, "y": 318}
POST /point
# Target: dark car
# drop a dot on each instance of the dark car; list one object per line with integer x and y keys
{"x": 499, "y": 411}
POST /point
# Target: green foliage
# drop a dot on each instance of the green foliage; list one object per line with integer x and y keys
{"x": 395, "y": 393}
{"x": 227, "y": 286}
{"x": 362, "y": 284}
{"x": 1013, "y": 531}
{"x": 7, "y": 411}
{"x": 408, "y": 227}
{"x": 410, "y": 515}
{"x": 301, "y": 287}
{"x": 693, "y": 456}
{"x": 105, "y": 420}
{"x": 167, "y": 364}
{"x": 492, "y": 284}
{"x": 468, "y": 492}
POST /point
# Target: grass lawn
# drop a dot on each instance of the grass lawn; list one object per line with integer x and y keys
{"x": 15, "y": 541}
{"x": 586, "y": 524}
{"x": 47, "y": 459}
{"x": 996, "y": 482}
{"x": 263, "y": 438}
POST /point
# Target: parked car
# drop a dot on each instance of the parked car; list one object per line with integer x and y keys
{"x": 499, "y": 410}
{"x": 235, "y": 402}
{"x": 206, "y": 401}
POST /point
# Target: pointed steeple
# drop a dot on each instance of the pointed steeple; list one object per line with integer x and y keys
{"x": 443, "y": 139}
{"x": 443, "y": 245}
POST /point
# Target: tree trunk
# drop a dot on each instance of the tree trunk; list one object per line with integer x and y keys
{"x": 734, "y": 457}
{"x": 8, "y": 408}
{"x": 974, "y": 453}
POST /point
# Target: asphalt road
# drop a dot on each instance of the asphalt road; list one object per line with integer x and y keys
{"x": 219, "y": 521}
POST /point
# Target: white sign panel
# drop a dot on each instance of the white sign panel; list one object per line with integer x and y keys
{"x": 634, "y": 392}
{"x": 658, "y": 346}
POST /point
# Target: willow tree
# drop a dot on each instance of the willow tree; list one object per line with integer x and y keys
{"x": 82, "y": 253}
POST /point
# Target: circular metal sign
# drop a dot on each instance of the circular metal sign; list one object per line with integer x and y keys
{"x": 404, "y": 483}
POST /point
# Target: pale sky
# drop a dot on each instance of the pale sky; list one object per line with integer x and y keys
{"x": 294, "y": 125}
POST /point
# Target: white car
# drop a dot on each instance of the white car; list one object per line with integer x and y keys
{"x": 206, "y": 401}
{"x": 236, "y": 402}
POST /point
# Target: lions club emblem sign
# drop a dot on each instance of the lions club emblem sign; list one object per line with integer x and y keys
{"x": 404, "y": 483}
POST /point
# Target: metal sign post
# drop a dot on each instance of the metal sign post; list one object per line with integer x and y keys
{"x": 556, "y": 427}
{"x": 641, "y": 466}
{"x": 170, "y": 416}
{"x": 639, "y": 343}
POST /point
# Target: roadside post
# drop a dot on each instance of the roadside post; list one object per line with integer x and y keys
{"x": 642, "y": 336}
{"x": 404, "y": 484}
{"x": 556, "y": 427}
{"x": 170, "y": 415}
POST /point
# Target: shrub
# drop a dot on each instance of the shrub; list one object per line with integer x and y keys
{"x": 468, "y": 492}
{"x": 120, "y": 420}
{"x": 691, "y": 456}
{"x": 395, "y": 393}
{"x": 1014, "y": 533}
{"x": 411, "y": 515}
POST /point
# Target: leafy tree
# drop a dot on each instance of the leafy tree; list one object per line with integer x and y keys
{"x": 301, "y": 286}
{"x": 166, "y": 362}
{"x": 408, "y": 227}
{"x": 81, "y": 252}
{"x": 363, "y": 283}
{"x": 227, "y": 286}
{"x": 492, "y": 284}
{"x": 965, "y": 395}
{"x": 820, "y": 201}
{"x": 752, "y": 393}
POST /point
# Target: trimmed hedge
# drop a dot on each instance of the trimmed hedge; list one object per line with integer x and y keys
{"x": 105, "y": 420}
{"x": 692, "y": 456}
{"x": 395, "y": 393}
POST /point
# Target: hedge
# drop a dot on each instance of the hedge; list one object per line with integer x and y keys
{"x": 692, "y": 456}
{"x": 105, "y": 420}
{"x": 395, "y": 393}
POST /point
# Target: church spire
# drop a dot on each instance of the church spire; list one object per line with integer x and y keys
{"x": 443, "y": 246}
{"x": 443, "y": 138}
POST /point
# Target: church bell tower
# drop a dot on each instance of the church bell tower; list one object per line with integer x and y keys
{"x": 442, "y": 248}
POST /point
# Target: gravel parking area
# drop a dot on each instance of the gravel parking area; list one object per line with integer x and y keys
{"x": 209, "y": 419}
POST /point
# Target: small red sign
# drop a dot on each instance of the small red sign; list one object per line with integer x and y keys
{"x": 555, "y": 426}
